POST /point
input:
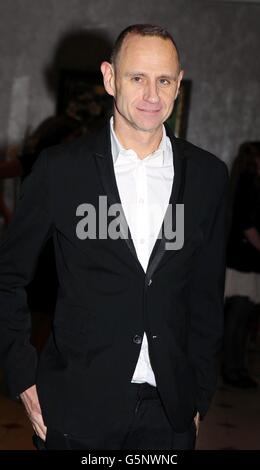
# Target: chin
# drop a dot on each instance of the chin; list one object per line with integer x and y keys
{"x": 147, "y": 125}
{"x": 145, "y": 128}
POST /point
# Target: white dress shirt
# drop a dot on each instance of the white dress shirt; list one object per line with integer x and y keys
{"x": 144, "y": 188}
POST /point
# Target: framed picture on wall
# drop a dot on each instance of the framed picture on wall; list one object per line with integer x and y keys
{"x": 178, "y": 121}
{"x": 82, "y": 94}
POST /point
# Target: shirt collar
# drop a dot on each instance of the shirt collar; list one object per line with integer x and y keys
{"x": 156, "y": 158}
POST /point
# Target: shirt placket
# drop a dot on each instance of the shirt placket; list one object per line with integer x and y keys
{"x": 142, "y": 229}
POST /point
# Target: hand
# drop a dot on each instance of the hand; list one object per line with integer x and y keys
{"x": 33, "y": 410}
{"x": 197, "y": 423}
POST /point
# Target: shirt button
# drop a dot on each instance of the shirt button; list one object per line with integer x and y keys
{"x": 141, "y": 200}
{"x": 142, "y": 241}
{"x": 137, "y": 339}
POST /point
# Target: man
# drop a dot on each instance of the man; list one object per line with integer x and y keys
{"x": 131, "y": 362}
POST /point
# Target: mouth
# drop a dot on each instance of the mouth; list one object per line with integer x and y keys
{"x": 149, "y": 111}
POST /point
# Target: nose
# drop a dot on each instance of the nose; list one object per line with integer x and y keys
{"x": 151, "y": 92}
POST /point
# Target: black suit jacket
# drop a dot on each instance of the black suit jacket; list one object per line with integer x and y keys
{"x": 105, "y": 299}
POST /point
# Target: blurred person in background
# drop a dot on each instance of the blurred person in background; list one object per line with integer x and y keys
{"x": 242, "y": 291}
{"x": 54, "y": 130}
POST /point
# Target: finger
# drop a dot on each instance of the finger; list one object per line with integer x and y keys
{"x": 39, "y": 425}
{"x": 40, "y": 431}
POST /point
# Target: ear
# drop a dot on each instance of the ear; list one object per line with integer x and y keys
{"x": 108, "y": 73}
{"x": 179, "y": 79}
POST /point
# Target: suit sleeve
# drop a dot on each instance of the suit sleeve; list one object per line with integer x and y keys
{"x": 28, "y": 231}
{"x": 207, "y": 298}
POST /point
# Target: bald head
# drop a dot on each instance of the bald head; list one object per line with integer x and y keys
{"x": 143, "y": 30}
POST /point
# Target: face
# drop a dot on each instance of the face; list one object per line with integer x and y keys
{"x": 144, "y": 83}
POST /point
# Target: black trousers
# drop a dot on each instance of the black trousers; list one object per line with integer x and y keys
{"x": 149, "y": 430}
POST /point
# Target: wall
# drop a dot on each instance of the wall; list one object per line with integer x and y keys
{"x": 219, "y": 43}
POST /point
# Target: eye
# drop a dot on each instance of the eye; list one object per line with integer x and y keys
{"x": 164, "y": 81}
{"x": 137, "y": 79}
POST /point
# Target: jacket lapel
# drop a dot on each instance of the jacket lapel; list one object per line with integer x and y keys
{"x": 176, "y": 197}
{"x": 105, "y": 166}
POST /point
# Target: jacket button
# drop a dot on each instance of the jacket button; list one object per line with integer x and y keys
{"x": 150, "y": 282}
{"x": 137, "y": 339}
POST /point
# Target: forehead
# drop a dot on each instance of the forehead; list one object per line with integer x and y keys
{"x": 147, "y": 52}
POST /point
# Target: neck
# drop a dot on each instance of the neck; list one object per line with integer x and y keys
{"x": 142, "y": 142}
